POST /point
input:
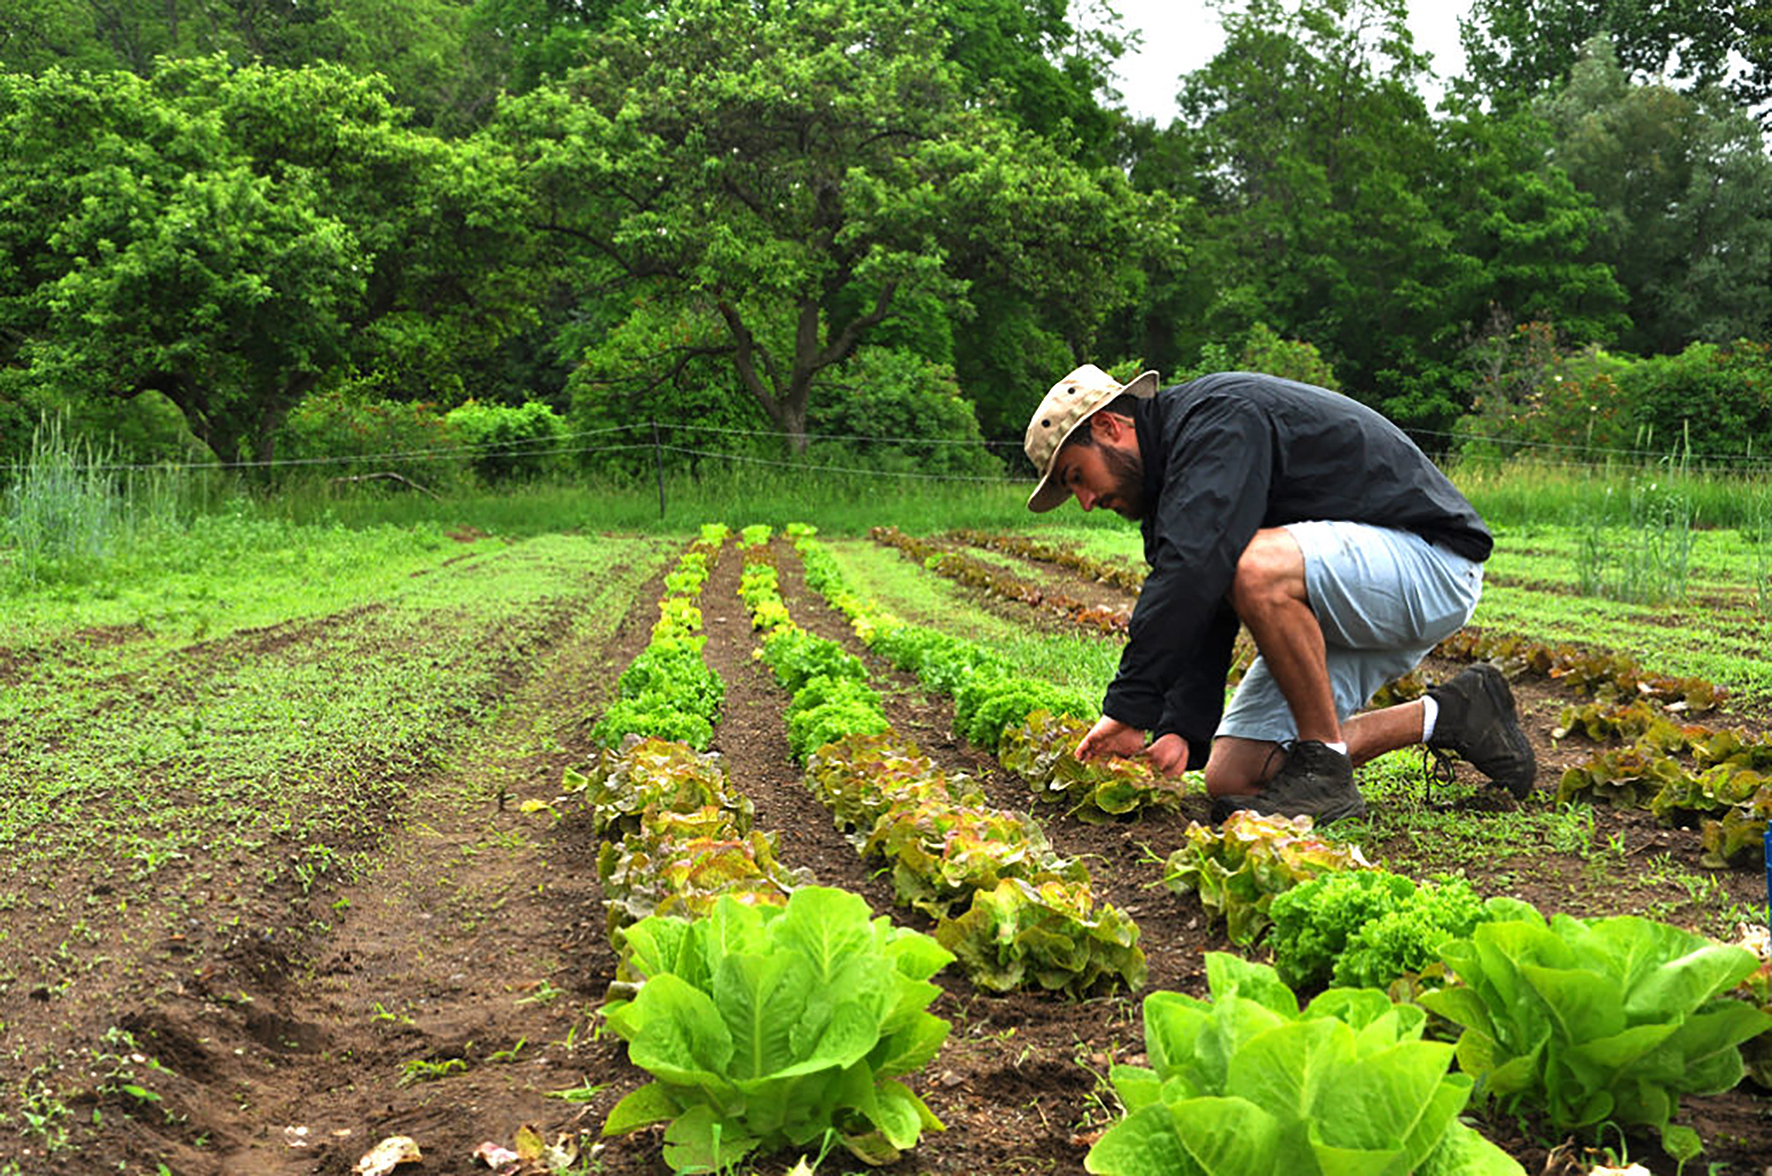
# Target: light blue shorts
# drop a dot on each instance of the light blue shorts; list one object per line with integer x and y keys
{"x": 1384, "y": 599}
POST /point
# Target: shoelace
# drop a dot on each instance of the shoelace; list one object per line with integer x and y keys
{"x": 1436, "y": 763}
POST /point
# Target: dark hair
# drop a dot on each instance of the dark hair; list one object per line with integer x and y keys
{"x": 1120, "y": 405}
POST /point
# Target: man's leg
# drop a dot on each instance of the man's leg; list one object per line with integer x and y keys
{"x": 1270, "y": 598}
{"x": 1336, "y": 610}
{"x": 1239, "y": 767}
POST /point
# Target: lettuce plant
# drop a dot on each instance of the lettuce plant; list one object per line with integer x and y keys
{"x": 1239, "y": 867}
{"x": 1366, "y": 928}
{"x": 1047, "y": 930}
{"x": 1604, "y": 1021}
{"x": 827, "y": 708}
{"x": 1041, "y": 750}
{"x": 1247, "y": 1085}
{"x": 768, "y": 1027}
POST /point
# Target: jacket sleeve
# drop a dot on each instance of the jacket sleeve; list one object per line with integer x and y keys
{"x": 1195, "y": 701}
{"x": 1219, "y": 468}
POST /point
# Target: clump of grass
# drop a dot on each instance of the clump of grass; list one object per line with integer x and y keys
{"x": 69, "y": 510}
{"x": 64, "y": 512}
{"x": 1650, "y": 559}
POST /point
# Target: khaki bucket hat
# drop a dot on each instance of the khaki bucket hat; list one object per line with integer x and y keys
{"x": 1072, "y": 401}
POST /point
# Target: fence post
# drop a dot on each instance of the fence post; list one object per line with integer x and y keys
{"x": 658, "y": 465}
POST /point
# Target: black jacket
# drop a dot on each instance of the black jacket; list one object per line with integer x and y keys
{"x": 1225, "y": 456}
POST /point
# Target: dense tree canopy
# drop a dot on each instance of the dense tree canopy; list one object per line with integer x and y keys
{"x": 798, "y": 215}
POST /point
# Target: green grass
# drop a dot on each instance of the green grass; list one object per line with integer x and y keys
{"x": 920, "y": 597}
{"x": 131, "y": 757}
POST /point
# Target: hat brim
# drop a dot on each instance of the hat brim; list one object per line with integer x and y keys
{"x": 1050, "y": 495}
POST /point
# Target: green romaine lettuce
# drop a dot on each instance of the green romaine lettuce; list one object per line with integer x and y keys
{"x": 766, "y": 1027}
{"x": 1608, "y": 1020}
{"x": 1247, "y": 1085}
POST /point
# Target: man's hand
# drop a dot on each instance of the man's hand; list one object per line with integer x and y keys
{"x": 1110, "y": 737}
{"x": 1168, "y": 754}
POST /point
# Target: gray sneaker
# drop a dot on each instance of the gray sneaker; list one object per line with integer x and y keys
{"x": 1314, "y": 781}
{"x": 1478, "y": 721}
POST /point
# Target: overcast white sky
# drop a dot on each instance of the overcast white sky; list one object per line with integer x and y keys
{"x": 1182, "y": 35}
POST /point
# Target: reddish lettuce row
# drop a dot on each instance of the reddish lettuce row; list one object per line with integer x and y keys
{"x": 949, "y": 850}
{"x": 1029, "y": 915}
{"x": 1607, "y": 676}
{"x": 977, "y": 574}
{"x": 1119, "y": 575}
{"x": 675, "y": 836}
{"x": 1729, "y": 796}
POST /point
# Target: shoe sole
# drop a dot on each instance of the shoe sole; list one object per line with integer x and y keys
{"x": 1502, "y": 697}
{"x": 1222, "y": 812}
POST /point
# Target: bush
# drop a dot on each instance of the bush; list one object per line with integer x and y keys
{"x": 338, "y": 425}
{"x": 510, "y": 442}
{"x": 1530, "y": 391}
{"x": 912, "y": 409}
{"x": 1708, "y": 400}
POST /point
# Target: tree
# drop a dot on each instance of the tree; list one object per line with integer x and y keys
{"x": 769, "y": 185}
{"x": 1516, "y": 50}
{"x": 1684, "y": 186}
{"x": 1523, "y": 234}
{"x": 237, "y": 238}
{"x": 1321, "y": 159}
{"x": 422, "y": 47}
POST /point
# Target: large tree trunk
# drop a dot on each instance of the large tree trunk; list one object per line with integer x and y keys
{"x": 272, "y": 412}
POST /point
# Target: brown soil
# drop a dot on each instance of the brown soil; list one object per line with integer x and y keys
{"x": 476, "y": 936}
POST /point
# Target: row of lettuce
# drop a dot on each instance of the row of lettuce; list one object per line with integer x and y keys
{"x": 776, "y": 1015}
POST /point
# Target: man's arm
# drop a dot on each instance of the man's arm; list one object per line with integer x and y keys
{"x": 1214, "y": 497}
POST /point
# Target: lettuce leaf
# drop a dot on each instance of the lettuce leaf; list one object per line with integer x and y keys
{"x": 1596, "y": 1020}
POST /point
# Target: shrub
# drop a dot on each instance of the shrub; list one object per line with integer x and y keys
{"x": 346, "y": 426}
{"x": 1714, "y": 399}
{"x": 510, "y": 442}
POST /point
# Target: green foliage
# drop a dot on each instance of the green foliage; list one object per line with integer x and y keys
{"x": 797, "y": 657}
{"x": 893, "y": 410}
{"x": 1682, "y": 182}
{"x": 1313, "y": 922}
{"x": 1246, "y": 1084}
{"x": 1710, "y": 399}
{"x": 764, "y": 1028}
{"x": 510, "y": 441}
{"x": 301, "y": 232}
{"x": 1530, "y": 391}
{"x": 828, "y": 708}
{"x": 668, "y": 691}
{"x": 987, "y": 704}
{"x": 1608, "y": 1020}
{"x": 829, "y": 177}
{"x": 1367, "y": 928}
{"x": 1239, "y": 867}
{"x": 340, "y": 424}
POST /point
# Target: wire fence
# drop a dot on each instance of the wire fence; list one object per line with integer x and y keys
{"x": 614, "y": 439}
